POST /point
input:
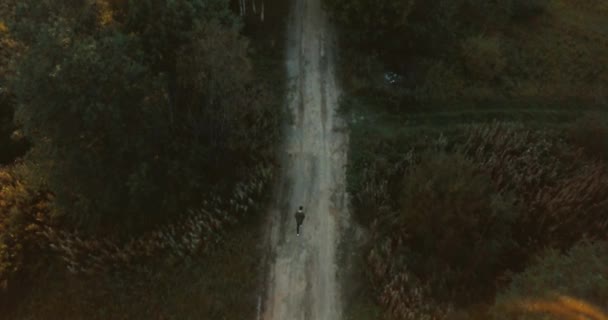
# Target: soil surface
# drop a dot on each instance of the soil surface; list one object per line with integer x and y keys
{"x": 302, "y": 280}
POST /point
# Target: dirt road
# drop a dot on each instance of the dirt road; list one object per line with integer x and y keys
{"x": 302, "y": 281}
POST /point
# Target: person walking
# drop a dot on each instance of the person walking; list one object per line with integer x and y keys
{"x": 299, "y": 219}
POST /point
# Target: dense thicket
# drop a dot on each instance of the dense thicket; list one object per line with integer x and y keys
{"x": 446, "y": 228}
{"x": 420, "y": 27}
{"x": 448, "y": 222}
{"x": 11, "y": 145}
{"x": 136, "y": 108}
{"x": 470, "y": 51}
{"x": 132, "y": 135}
{"x": 22, "y": 213}
{"x": 456, "y": 225}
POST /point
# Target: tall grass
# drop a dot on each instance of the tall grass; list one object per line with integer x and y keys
{"x": 556, "y": 195}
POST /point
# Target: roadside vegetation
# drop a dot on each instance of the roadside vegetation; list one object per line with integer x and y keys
{"x": 137, "y": 142}
{"x": 479, "y": 136}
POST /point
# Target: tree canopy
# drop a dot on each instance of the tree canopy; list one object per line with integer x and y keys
{"x": 131, "y": 118}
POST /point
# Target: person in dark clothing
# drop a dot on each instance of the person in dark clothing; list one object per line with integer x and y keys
{"x": 299, "y": 219}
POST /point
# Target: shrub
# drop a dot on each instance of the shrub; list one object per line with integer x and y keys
{"x": 454, "y": 224}
{"x": 483, "y": 57}
{"x": 528, "y": 9}
{"x": 9, "y": 49}
{"x": 590, "y": 133}
{"x": 21, "y": 211}
{"x": 403, "y": 295}
{"x": 572, "y": 208}
{"x": 370, "y": 20}
{"x": 484, "y": 14}
{"x": 201, "y": 118}
{"x": 441, "y": 83}
{"x": 562, "y": 195}
{"x": 559, "y": 285}
{"x": 517, "y": 158}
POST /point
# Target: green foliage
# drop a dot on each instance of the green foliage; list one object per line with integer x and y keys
{"x": 562, "y": 195}
{"x": 133, "y": 120}
{"x": 590, "y": 132}
{"x": 11, "y": 145}
{"x": 21, "y": 212}
{"x": 455, "y": 223}
{"x": 218, "y": 285}
{"x": 163, "y": 26}
{"x": 433, "y": 26}
{"x": 426, "y": 209}
{"x": 527, "y": 9}
{"x": 554, "y": 61}
{"x": 371, "y": 20}
{"x": 487, "y": 15}
{"x": 578, "y": 274}
{"x": 10, "y": 148}
{"x": 441, "y": 83}
{"x": 93, "y": 111}
{"x": 483, "y": 57}
{"x": 536, "y": 73}
{"x": 137, "y": 110}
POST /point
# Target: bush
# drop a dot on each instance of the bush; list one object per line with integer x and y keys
{"x": 21, "y": 211}
{"x": 483, "y": 57}
{"x": 448, "y": 224}
{"x": 185, "y": 114}
{"x": 590, "y": 133}
{"x": 10, "y": 149}
{"x": 565, "y": 286}
{"x": 454, "y": 223}
{"x": 528, "y": 9}
{"x": 370, "y": 20}
{"x": 484, "y": 14}
{"x": 441, "y": 83}
{"x": 563, "y": 196}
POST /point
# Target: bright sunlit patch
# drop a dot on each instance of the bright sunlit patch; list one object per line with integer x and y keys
{"x": 105, "y": 13}
{"x": 563, "y": 307}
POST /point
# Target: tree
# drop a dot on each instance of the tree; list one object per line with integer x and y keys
{"x": 455, "y": 225}
{"x": 135, "y": 109}
{"x": 416, "y": 26}
{"x": 10, "y": 148}
{"x": 21, "y": 212}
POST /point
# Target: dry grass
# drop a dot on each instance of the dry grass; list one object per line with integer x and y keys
{"x": 562, "y": 193}
{"x": 165, "y": 274}
{"x": 561, "y": 196}
{"x": 398, "y": 291}
{"x": 221, "y": 284}
{"x": 198, "y": 231}
{"x": 560, "y": 53}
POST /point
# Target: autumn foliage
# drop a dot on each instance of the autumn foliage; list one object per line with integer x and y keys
{"x": 466, "y": 213}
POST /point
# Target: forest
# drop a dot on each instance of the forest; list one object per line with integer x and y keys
{"x": 142, "y": 145}
{"x": 135, "y": 134}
